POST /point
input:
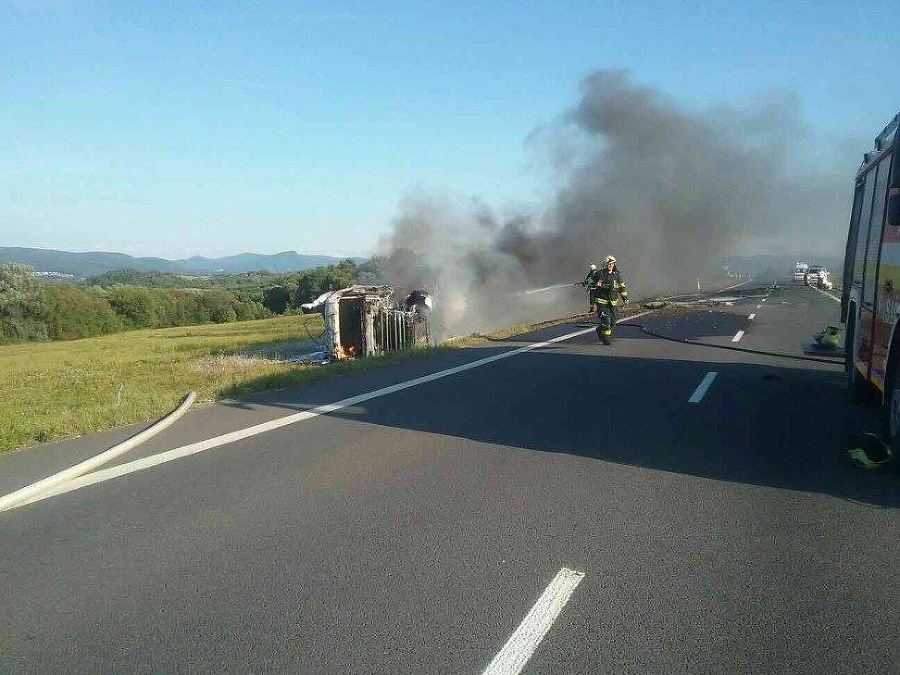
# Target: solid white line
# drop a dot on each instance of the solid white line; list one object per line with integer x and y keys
{"x": 240, "y": 434}
{"x": 28, "y": 493}
{"x": 737, "y": 336}
{"x": 521, "y": 645}
{"x": 701, "y": 389}
{"x": 752, "y": 316}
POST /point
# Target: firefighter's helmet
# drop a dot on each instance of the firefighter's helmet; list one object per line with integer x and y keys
{"x": 609, "y": 259}
{"x": 593, "y": 267}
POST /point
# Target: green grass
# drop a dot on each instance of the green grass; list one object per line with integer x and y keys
{"x": 56, "y": 390}
{"x": 64, "y": 389}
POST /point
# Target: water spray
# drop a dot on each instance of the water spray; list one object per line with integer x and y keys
{"x": 546, "y": 288}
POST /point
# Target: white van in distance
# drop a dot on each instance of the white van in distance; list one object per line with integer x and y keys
{"x": 800, "y": 270}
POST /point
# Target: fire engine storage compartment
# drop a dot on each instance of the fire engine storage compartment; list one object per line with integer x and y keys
{"x": 365, "y": 321}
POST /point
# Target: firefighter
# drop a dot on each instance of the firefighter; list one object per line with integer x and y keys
{"x": 611, "y": 287}
{"x": 590, "y": 283}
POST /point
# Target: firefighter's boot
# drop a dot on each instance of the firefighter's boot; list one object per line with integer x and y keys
{"x": 604, "y": 330}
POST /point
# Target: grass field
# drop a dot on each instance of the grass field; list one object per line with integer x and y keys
{"x": 54, "y": 390}
{"x": 57, "y": 390}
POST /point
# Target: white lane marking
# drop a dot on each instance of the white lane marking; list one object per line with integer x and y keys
{"x": 833, "y": 297}
{"x": 752, "y": 316}
{"x": 521, "y": 645}
{"x": 26, "y": 494}
{"x": 240, "y": 434}
{"x": 764, "y": 299}
{"x": 759, "y": 307}
{"x": 702, "y": 388}
{"x": 737, "y": 336}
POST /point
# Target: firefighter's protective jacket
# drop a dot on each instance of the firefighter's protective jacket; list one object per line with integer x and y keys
{"x": 610, "y": 286}
{"x": 590, "y": 279}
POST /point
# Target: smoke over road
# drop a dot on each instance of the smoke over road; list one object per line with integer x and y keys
{"x": 670, "y": 192}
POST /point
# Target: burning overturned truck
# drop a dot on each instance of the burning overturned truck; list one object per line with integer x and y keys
{"x": 368, "y": 321}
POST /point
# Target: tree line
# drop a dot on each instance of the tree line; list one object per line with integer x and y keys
{"x": 32, "y": 309}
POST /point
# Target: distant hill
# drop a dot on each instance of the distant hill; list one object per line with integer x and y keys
{"x": 83, "y": 265}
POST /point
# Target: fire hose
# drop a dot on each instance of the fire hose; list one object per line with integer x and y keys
{"x": 732, "y": 348}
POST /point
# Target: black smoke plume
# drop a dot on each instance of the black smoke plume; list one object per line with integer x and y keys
{"x": 668, "y": 191}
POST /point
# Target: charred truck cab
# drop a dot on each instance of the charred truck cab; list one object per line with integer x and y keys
{"x": 870, "y": 301}
{"x": 366, "y": 321}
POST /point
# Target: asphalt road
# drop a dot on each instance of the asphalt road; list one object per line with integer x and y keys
{"x": 716, "y": 530}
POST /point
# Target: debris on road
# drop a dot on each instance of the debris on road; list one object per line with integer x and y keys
{"x": 317, "y": 358}
{"x": 868, "y": 451}
{"x": 829, "y": 337}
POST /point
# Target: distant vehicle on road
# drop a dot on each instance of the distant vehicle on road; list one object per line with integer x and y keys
{"x": 818, "y": 277}
{"x": 869, "y": 307}
{"x": 800, "y": 270}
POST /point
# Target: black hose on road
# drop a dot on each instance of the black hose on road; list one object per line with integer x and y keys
{"x": 685, "y": 341}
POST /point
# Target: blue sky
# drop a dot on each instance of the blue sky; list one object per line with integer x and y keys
{"x": 214, "y": 128}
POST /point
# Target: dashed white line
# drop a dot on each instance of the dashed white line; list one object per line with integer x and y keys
{"x": 702, "y": 388}
{"x": 752, "y": 316}
{"x": 764, "y": 299}
{"x": 737, "y": 336}
{"x": 759, "y": 307}
{"x": 521, "y": 645}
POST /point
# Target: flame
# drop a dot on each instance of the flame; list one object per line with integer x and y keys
{"x": 346, "y": 352}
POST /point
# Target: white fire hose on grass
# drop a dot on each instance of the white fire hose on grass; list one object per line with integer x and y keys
{"x": 29, "y": 492}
